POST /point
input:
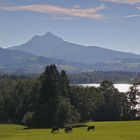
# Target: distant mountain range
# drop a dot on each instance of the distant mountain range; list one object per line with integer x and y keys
{"x": 40, "y": 51}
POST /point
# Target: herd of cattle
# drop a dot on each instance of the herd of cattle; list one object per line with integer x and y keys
{"x": 69, "y": 129}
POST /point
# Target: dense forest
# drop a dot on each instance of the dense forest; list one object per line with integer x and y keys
{"x": 50, "y": 100}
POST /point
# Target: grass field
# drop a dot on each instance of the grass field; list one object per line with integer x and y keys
{"x": 104, "y": 131}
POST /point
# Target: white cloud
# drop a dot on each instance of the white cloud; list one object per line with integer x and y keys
{"x": 91, "y": 13}
{"x": 61, "y": 18}
{"x": 133, "y": 16}
{"x": 138, "y": 8}
{"x": 125, "y": 17}
{"x": 124, "y": 1}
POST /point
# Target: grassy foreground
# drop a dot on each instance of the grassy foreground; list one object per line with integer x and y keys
{"x": 104, "y": 131}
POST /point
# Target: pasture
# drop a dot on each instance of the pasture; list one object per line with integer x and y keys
{"x": 129, "y": 130}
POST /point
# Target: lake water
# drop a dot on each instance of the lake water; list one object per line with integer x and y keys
{"x": 120, "y": 87}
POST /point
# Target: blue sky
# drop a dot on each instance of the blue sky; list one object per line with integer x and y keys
{"x": 112, "y": 24}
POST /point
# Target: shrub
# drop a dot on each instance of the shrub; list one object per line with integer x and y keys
{"x": 28, "y": 118}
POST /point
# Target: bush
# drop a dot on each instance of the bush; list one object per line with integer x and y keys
{"x": 28, "y": 118}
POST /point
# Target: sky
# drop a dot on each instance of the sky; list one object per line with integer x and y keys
{"x": 112, "y": 24}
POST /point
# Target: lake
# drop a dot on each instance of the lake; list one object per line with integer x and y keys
{"x": 120, "y": 87}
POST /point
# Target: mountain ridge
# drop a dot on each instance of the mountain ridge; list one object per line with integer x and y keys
{"x": 40, "y": 51}
{"x": 52, "y": 46}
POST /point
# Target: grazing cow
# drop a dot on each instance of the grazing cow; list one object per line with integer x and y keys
{"x": 55, "y": 130}
{"x": 91, "y": 128}
{"x": 68, "y": 129}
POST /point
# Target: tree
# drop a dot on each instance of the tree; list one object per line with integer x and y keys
{"x": 54, "y": 88}
{"x": 17, "y": 97}
{"x": 65, "y": 87}
{"x": 65, "y": 113}
{"x": 133, "y": 96}
{"x": 26, "y": 97}
{"x": 50, "y": 84}
{"x": 86, "y": 101}
{"x": 28, "y": 119}
{"x": 115, "y": 105}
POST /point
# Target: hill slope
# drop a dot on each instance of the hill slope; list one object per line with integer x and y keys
{"x": 22, "y": 62}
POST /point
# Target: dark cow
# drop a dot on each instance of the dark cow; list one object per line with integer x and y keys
{"x": 55, "y": 130}
{"x": 68, "y": 129}
{"x": 91, "y": 128}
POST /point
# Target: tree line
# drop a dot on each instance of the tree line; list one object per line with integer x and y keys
{"x": 99, "y": 76}
{"x": 49, "y": 101}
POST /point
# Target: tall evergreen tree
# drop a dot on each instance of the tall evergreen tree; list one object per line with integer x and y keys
{"x": 65, "y": 87}
{"x": 54, "y": 100}
{"x": 49, "y": 92}
{"x": 50, "y": 84}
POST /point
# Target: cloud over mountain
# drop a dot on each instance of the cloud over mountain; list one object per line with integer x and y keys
{"x": 91, "y": 13}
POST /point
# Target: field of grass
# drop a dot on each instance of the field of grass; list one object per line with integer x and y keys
{"x": 104, "y": 131}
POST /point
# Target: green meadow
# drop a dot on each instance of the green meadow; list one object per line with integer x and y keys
{"x": 129, "y": 130}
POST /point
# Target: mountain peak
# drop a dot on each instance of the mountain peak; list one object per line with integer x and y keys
{"x": 50, "y": 35}
{"x": 47, "y": 37}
